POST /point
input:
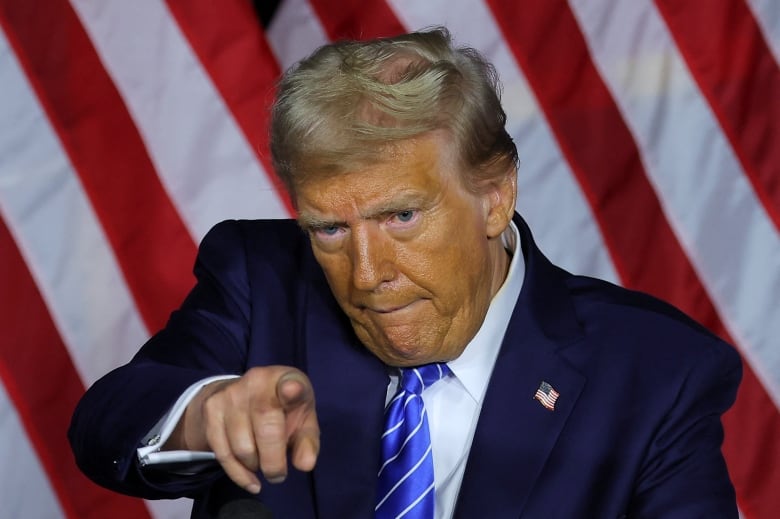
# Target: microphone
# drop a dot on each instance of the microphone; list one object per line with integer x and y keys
{"x": 244, "y": 509}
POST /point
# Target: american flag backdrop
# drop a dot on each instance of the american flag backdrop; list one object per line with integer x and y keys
{"x": 649, "y": 138}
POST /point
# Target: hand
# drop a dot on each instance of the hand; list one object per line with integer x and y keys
{"x": 250, "y": 423}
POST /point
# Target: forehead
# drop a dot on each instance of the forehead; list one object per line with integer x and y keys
{"x": 408, "y": 171}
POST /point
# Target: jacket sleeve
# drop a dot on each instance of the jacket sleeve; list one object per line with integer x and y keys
{"x": 208, "y": 335}
{"x": 684, "y": 474}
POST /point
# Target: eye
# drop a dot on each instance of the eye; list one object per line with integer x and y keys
{"x": 405, "y": 220}
{"x": 405, "y": 216}
{"x": 327, "y": 233}
{"x": 330, "y": 230}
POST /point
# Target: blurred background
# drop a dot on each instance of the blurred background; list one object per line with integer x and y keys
{"x": 649, "y": 139}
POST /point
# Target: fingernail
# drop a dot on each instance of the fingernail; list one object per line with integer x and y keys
{"x": 290, "y": 375}
{"x": 253, "y": 488}
{"x": 276, "y": 479}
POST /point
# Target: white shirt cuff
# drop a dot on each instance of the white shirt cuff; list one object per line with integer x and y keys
{"x": 150, "y": 453}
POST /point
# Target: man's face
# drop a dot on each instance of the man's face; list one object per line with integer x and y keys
{"x": 412, "y": 257}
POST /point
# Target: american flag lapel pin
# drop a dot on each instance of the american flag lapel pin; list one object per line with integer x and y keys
{"x": 546, "y": 395}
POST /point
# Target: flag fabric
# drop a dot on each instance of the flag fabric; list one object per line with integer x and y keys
{"x": 649, "y": 141}
{"x": 547, "y": 396}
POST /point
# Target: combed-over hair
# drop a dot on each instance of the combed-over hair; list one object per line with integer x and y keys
{"x": 338, "y": 108}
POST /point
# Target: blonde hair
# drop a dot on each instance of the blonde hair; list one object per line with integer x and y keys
{"x": 338, "y": 108}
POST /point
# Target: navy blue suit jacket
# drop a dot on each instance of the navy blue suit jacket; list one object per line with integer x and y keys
{"x": 635, "y": 432}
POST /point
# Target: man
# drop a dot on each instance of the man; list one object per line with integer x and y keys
{"x": 560, "y": 396}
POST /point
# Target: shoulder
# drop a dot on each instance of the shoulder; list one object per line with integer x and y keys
{"x": 253, "y": 263}
{"x": 656, "y": 385}
{"x": 255, "y": 242}
{"x": 642, "y": 332}
{"x": 597, "y": 299}
{"x": 247, "y": 233}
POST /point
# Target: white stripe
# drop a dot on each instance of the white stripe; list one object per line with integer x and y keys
{"x": 204, "y": 160}
{"x": 57, "y": 232}
{"x": 411, "y": 434}
{"x": 393, "y": 428}
{"x": 708, "y": 201}
{"x": 767, "y": 14}
{"x": 75, "y": 270}
{"x": 396, "y": 397}
{"x": 24, "y": 485}
{"x": 419, "y": 377}
{"x": 415, "y": 502}
{"x": 295, "y": 32}
{"x": 396, "y": 426}
{"x": 548, "y": 194}
{"x": 405, "y": 476}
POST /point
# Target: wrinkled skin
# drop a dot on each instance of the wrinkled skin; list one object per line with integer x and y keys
{"x": 412, "y": 256}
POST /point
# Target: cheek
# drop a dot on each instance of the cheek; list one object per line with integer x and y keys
{"x": 451, "y": 273}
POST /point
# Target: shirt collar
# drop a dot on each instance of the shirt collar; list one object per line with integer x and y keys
{"x": 475, "y": 365}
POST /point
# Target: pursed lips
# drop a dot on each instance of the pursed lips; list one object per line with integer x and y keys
{"x": 386, "y": 309}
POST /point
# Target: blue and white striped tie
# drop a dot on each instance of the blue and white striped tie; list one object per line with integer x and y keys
{"x": 406, "y": 475}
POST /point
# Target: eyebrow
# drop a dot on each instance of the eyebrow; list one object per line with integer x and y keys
{"x": 402, "y": 202}
{"x": 309, "y": 221}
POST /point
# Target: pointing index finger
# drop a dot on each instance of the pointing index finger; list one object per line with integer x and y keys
{"x": 296, "y": 396}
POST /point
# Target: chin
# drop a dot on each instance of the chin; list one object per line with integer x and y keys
{"x": 405, "y": 355}
{"x": 406, "y": 347}
{"x": 400, "y": 355}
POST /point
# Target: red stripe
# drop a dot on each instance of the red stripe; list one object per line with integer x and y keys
{"x": 600, "y": 150}
{"x": 228, "y": 39}
{"x": 737, "y": 73}
{"x": 44, "y": 387}
{"x": 152, "y": 245}
{"x": 603, "y": 155}
{"x": 357, "y": 19}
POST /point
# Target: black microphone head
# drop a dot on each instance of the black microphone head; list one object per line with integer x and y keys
{"x": 244, "y": 509}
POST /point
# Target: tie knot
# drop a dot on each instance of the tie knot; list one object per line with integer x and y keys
{"x": 414, "y": 380}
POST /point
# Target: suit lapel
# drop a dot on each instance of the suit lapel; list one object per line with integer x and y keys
{"x": 350, "y": 386}
{"x": 515, "y": 434}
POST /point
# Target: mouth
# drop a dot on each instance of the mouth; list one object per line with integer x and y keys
{"x": 387, "y": 309}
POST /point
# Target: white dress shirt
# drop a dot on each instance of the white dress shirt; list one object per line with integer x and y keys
{"x": 452, "y": 404}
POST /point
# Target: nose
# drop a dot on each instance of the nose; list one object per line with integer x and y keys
{"x": 372, "y": 263}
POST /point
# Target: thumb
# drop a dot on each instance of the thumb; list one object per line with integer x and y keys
{"x": 293, "y": 389}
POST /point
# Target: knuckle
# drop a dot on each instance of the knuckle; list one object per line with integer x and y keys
{"x": 244, "y": 450}
{"x": 270, "y": 428}
{"x": 210, "y": 409}
{"x": 224, "y": 458}
{"x": 256, "y": 377}
{"x": 213, "y": 406}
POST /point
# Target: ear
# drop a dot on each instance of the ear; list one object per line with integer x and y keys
{"x": 501, "y": 197}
